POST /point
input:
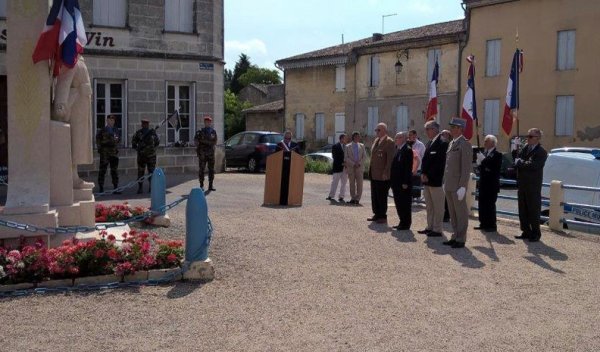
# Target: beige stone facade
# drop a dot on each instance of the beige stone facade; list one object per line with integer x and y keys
{"x": 560, "y": 76}
{"x": 353, "y": 86}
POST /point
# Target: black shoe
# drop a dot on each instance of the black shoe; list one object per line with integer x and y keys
{"x": 434, "y": 234}
{"x": 489, "y": 229}
{"x": 523, "y": 236}
{"x": 211, "y": 188}
{"x": 424, "y": 232}
{"x": 341, "y": 200}
{"x": 117, "y": 192}
{"x": 328, "y": 198}
{"x": 458, "y": 245}
{"x": 479, "y": 227}
{"x": 449, "y": 243}
{"x": 402, "y": 227}
{"x": 372, "y": 218}
{"x": 201, "y": 185}
{"x": 535, "y": 239}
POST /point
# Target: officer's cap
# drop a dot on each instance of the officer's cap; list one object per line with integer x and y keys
{"x": 458, "y": 122}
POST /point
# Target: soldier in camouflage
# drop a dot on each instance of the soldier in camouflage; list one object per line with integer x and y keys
{"x": 145, "y": 142}
{"x": 107, "y": 140}
{"x": 206, "y": 139}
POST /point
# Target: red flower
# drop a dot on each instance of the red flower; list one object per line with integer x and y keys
{"x": 113, "y": 254}
{"x": 99, "y": 253}
{"x": 111, "y": 238}
{"x": 172, "y": 257}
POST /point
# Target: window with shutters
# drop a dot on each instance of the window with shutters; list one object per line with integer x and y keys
{"x": 110, "y": 99}
{"x": 373, "y": 71}
{"x": 565, "y": 59}
{"x": 433, "y": 56}
{"x": 492, "y": 58}
{"x": 3, "y": 8}
{"x": 111, "y": 13}
{"x": 402, "y": 118}
{"x": 565, "y": 111}
{"x": 372, "y": 120}
{"x": 491, "y": 118}
{"x": 319, "y": 126}
{"x": 299, "y": 126}
{"x": 340, "y": 78}
{"x": 179, "y": 16}
{"x": 180, "y": 96}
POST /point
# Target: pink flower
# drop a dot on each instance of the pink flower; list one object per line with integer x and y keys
{"x": 111, "y": 238}
{"x": 172, "y": 257}
{"x": 113, "y": 254}
{"x": 99, "y": 253}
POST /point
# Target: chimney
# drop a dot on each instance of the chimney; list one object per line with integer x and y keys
{"x": 377, "y": 37}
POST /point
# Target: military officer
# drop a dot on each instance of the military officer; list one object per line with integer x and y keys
{"x": 145, "y": 142}
{"x": 107, "y": 140}
{"x": 206, "y": 140}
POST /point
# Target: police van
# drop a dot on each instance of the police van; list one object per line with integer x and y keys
{"x": 578, "y": 167}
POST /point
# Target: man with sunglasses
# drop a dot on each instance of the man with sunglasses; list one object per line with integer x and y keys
{"x": 382, "y": 155}
{"x": 530, "y": 171}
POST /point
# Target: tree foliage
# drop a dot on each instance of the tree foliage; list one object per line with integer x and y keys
{"x": 241, "y": 66}
{"x": 234, "y": 119}
{"x": 259, "y": 75}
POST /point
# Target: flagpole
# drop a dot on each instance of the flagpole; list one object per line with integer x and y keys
{"x": 517, "y": 73}
{"x": 475, "y": 104}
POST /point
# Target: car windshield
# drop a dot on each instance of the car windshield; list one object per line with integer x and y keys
{"x": 271, "y": 138}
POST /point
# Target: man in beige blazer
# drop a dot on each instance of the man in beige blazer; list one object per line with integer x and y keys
{"x": 459, "y": 159}
{"x": 354, "y": 160}
{"x": 382, "y": 155}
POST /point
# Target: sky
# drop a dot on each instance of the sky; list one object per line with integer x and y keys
{"x": 270, "y": 30}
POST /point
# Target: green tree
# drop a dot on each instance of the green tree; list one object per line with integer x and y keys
{"x": 234, "y": 119}
{"x": 227, "y": 77}
{"x": 259, "y": 75}
{"x": 241, "y": 66}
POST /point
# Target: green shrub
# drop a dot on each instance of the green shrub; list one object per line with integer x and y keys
{"x": 319, "y": 167}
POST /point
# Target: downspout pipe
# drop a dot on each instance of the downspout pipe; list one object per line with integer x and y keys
{"x": 284, "y": 97}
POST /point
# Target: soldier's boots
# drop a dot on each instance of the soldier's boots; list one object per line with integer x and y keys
{"x": 210, "y": 187}
{"x": 139, "y": 188}
{"x": 202, "y": 185}
{"x": 115, "y": 186}
{"x": 101, "y": 188}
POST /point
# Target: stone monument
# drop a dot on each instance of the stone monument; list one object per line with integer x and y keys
{"x": 45, "y": 146}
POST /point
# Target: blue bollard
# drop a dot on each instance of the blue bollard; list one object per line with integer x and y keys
{"x": 159, "y": 191}
{"x": 196, "y": 227}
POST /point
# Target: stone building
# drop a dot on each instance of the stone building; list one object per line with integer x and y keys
{"x": 383, "y": 78}
{"x": 559, "y": 83}
{"x": 259, "y": 94}
{"x": 266, "y": 113}
{"x": 147, "y": 58}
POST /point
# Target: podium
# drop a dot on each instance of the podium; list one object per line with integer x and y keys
{"x": 284, "y": 180}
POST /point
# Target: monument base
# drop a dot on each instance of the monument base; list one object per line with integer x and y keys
{"x": 45, "y": 219}
{"x": 57, "y": 240}
{"x": 200, "y": 270}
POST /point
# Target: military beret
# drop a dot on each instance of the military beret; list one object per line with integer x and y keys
{"x": 458, "y": 122}
{"x": 207, "y": 118}
{"x": 145, "y": 121}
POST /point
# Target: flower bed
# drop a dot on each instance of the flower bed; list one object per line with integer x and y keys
{"x": 117, "y": 212}
{"x": 138, "y": 251}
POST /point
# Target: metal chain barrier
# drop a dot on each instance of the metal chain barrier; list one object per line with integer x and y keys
{"x": 98, "y": 227}
{"x": 122, "y": 188}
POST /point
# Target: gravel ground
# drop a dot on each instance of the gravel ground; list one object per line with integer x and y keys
{"x": 321, "y": 278}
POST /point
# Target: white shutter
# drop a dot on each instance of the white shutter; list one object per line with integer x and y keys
{"x": 565, "y": 50}
{"x": 3, "y": 10}
{"x": 372, "y": 120}
{"x": 491, "y": 119}
{"x": 340, "y": 78}
{"x": 565, "y": 111}
{"x": 186, "y": 16}
{"x": 110, "y": 13}
{"x": 172, "y": 15}
{"x": 370, "y": 71}
{"x": 376, "y": 71}
{"x": 319, "y": 126}
{"x": 570, "y": 50}
{"x": 402, "y": 118}
{"x": 492, "y": 64}
{"x": 299, "y": 126}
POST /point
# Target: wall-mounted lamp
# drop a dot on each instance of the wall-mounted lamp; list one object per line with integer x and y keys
{"x": 398, "y": 65}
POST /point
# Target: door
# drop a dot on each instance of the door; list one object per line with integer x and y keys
{"x": 340, "y": 125}
{"x": 3, "y": 131}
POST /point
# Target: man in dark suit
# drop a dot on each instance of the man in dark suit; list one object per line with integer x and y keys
{"x": 338, "y": 170}
{"x": 382, "y": 154}
{"x": 489, "y": 163}
{"x": 432, "y": 175}
{"x": 286, "y": 144}
{"x": 401, "y": 181}
{"x": 530, "y": 172}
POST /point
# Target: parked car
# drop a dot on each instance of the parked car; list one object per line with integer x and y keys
{"x": 325, "y": 157}
{"x": 250, "y": 149}
{"x": 580, "y": 168}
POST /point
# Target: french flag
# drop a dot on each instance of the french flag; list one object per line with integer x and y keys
{"x": 512, "y": 92}
{"x": 432, "y": 110}
{"x": 469, "y": 110}
{"x": 63, "y": 38}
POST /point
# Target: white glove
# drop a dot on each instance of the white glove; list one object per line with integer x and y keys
{"x": 480, "y": 158}
{"x": 518, "y": 161}
{"x": 461, "y": 193}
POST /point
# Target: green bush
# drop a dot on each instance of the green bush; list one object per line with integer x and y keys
{"x": 319, "y": 167}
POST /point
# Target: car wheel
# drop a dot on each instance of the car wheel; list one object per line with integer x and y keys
{"x": 252, "y": 165}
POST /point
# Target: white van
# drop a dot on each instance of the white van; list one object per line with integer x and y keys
{"x": 578, "y": 167}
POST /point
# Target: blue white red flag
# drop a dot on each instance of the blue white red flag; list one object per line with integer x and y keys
{"x": 63, "y": 38}
{"x": 512, "y": 92}
{"x": 432, "y": 109}
{"x": 469, "y": 110}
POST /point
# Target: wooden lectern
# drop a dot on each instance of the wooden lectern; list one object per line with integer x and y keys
{"x": 284, "y": 181}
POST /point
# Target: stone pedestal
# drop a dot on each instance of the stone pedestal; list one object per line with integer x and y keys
{"x": 200, "y": 270}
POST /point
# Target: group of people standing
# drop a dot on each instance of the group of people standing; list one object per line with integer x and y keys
{"x": 145, "y": 141}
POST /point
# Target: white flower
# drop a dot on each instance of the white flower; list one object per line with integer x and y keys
{"x": 2, "y": 273}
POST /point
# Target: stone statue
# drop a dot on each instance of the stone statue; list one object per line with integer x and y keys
{"x": 72, "y": 104}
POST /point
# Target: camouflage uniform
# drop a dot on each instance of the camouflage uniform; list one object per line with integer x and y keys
{"x": 145, "y": 142}
{"x": 206, "y": 139}
{"x": 107, "y": 140}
